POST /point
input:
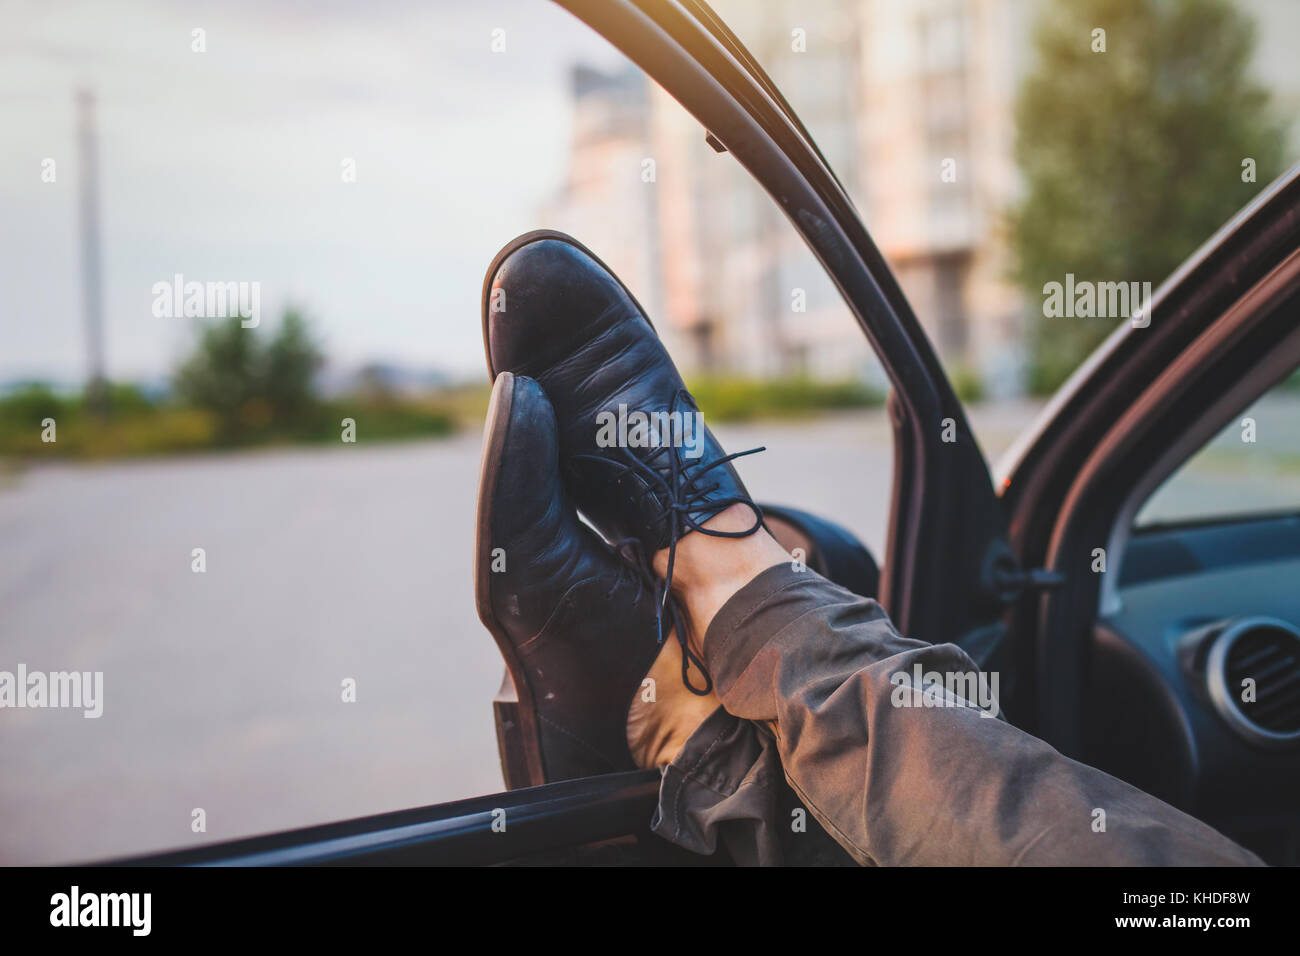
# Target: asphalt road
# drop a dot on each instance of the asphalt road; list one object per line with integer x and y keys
{"x": 223, "y": 690}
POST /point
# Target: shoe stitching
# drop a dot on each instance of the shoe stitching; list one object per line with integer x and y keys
{"x": 579, "y": 740}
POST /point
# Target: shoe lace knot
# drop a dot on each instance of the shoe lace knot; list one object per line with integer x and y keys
{"x": 681, "y": 488}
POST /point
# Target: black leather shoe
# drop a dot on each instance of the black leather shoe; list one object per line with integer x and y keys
{"x": 575, "y": 622}
{"x": 554, "y": 312}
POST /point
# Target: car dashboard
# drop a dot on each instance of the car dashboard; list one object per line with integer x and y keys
{"x": 1194, "y": 677}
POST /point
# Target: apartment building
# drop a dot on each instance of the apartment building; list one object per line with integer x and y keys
{"x": 912, "y": 104}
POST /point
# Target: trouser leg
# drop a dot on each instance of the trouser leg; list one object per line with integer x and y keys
{"x": 812, "y": 673}
{"x": 726, "y": 789}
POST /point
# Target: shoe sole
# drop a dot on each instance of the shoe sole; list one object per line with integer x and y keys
{"x": 528, "y": 238}
{"x": 518, "y": 734}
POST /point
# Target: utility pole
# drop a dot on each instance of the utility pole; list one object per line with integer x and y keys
{"x": 96, "y": 390}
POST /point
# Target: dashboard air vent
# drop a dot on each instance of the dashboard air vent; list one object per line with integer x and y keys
{"x": 1253, "y": 673}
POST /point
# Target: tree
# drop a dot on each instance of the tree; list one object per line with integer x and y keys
{"x": 292, "y": 360}
{"x": 247, "y": 385}
{"x": 221, "y": 376}
{"x": 1131, "y": 157}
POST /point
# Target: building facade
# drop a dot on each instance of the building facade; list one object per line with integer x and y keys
{"x": 912, "y": 104}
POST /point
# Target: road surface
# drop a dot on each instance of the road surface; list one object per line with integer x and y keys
{"x": 223, "y": 690}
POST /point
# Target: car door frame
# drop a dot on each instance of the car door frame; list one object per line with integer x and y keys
{"x": 947, "y": 570}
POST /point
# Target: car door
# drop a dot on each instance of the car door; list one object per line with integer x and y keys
{"x": 948, "y": 573}
{"x": 1216, "y": 336}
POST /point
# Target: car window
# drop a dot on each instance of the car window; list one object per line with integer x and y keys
{"x": 943, "y": 120}
{"x": 258, "y": 530}
{"x": 1251, "y": 467}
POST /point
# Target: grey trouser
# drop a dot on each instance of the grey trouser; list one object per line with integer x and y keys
{"x": 803, "y": 669}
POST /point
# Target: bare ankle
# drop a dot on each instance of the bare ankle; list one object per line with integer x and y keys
{"x": 708, "y": 570}
{"x": 664, "y": 714}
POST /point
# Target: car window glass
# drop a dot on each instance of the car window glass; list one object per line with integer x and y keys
{"x": 1251, "y": 467}
{"x": 1018, "y": 250}
{"x": 279, "y": 602}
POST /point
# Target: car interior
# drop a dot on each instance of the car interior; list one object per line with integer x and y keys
{"x": 1196, "y": 655}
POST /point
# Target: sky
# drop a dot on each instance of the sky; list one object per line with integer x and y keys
{"x": 226, "y": 165}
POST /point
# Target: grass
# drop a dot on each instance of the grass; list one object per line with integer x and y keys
{"x": 137, "y": 426}
{"x": 722, "y": 399}
{"x": 747, "y": 399}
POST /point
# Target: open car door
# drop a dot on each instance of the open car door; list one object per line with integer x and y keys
{"x": 947, "y": 574}
{"x": 1170, "y": 653}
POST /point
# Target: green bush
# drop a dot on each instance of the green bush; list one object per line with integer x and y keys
{"x": 136, "y": 426}
{"x": 384, "y": 421}
{"x": 82, "y": 436}
{"x": 967, "y": 383}
{"x": 744, "y": 399}
{"x": 29, "y": 405}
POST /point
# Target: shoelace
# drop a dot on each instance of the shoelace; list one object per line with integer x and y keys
{"x": 683, "y": 494}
